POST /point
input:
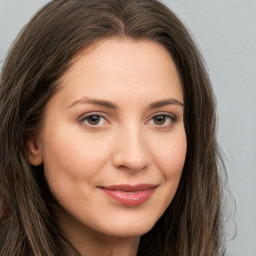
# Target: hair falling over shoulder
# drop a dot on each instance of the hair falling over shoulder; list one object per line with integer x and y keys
{"x": 192, "y": 224}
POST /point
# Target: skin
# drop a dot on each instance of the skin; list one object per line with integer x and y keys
{"x": 126, "y": 145}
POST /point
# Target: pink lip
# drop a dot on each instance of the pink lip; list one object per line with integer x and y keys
{"x": 130, "y": 195}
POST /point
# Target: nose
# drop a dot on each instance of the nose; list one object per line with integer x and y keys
{"x": 131, "y": 152}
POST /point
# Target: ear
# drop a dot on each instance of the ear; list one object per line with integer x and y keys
{"x": 34, "y": 151}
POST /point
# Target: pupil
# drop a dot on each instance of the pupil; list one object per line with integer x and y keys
{"x": 93, "y": 119}
{"x": 160, "y": 120}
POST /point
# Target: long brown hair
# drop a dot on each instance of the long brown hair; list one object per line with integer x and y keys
{"x": 191, "y": 225}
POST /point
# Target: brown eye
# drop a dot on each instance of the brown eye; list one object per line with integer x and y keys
{"x": 163, "y": 120}
{"x": 94, "y": 120}
{"x": 159, "y": 120}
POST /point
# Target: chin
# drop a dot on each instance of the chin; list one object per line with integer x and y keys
{"x": 128, "y": 230}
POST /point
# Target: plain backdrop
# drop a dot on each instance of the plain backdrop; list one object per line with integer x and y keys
{"x": 225, "y": 32}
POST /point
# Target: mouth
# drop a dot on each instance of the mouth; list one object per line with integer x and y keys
{"x": 130, "y": 195}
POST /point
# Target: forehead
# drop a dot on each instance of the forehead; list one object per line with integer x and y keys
{"x": 123, "y": 66}
{"x": 109, "y": 53}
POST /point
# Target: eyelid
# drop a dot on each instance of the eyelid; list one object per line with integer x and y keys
{"x": 168, "y": 114}
{"x": 172, "y": 116}
{"x": 83, "y": 117}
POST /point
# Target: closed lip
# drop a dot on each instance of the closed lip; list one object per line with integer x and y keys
{"x": 130, "y": 195}
{"x": 129, "y": 188}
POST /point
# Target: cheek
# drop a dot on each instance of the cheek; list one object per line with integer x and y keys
{"x": 72, "y": 161}
{"x": 170, "y": 156}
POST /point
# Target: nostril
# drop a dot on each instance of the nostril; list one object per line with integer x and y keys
{"x": 131, "y": 152}
{"x": 131, "y": 163}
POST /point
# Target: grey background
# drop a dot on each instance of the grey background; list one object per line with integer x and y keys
{"x": 225, "y": 32}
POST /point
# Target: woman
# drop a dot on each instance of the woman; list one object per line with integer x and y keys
{"x": 108, "y": 135}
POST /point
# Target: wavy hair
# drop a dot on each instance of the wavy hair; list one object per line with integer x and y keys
{"x": 41, "y": 54}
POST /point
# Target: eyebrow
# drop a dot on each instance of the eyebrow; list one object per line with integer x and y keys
{"x": 166, "y": 102}
{"x": 94, "y": 101}
{"x": 108, "y": 104}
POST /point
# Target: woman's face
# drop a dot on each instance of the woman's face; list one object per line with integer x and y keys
{"x": 113, "y": 142}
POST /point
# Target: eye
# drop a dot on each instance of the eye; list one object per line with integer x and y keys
{"x": 162, "y": 120}
{"x": 93, "y": 120}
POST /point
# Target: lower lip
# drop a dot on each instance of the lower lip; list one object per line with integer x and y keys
{"x": 130, "y": 198}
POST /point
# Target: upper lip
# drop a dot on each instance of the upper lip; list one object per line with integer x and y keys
{"x": 129, "y": 188}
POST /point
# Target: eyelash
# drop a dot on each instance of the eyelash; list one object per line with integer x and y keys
{"x": 84, "y": 120}
{"x": 172, "y": 120}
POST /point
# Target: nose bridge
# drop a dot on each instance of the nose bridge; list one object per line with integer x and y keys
{"x": 131, "y": 148}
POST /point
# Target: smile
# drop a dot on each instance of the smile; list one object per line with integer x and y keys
{"x": 130, "y": 195}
